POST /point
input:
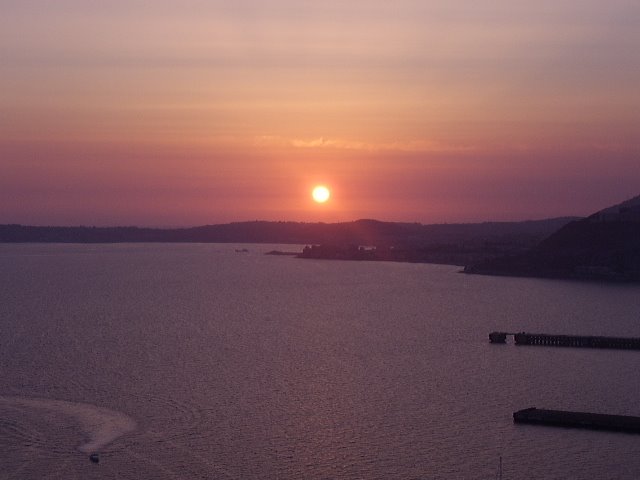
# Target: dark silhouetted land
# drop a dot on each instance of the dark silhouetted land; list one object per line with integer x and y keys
{"x": 603, "y": 246}
{"x": 459, "y": 244}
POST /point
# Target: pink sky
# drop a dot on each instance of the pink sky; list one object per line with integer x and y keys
{"x": 196, "y": 112}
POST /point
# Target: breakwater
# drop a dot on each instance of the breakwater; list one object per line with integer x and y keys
{"x": 577, "y": 341}
{"x": 593, "y": 421}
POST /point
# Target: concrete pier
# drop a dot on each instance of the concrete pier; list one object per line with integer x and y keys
{"x": 593, "y": 421}
{"x": 577, "y": 341}
{"x": 498, "y": 337}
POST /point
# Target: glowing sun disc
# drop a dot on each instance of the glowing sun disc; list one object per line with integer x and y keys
{"x": 321, "y": 194}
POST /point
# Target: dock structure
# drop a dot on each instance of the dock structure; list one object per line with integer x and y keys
{"x": 498, "y": 337}
{"x": 592, "y": 421}
{"x": 577, "y": 341}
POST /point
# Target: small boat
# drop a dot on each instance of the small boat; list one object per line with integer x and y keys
{"x": 94, "y": 457}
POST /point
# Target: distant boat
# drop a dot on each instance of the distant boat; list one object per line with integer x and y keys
{"x": 242, "y": 250}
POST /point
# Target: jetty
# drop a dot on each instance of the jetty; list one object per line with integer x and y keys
{"x": 592, "y": 421}
{"x": 578, "y": 341}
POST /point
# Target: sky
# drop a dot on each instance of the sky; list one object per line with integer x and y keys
{"x": 192, "y": 112}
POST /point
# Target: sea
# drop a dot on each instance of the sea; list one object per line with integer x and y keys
{"x": 204, "y": 361}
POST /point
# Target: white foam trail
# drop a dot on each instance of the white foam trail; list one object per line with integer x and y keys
{"x": 102, "y": 425}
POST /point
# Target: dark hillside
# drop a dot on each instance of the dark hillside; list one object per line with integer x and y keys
{"x": 604, "y": 246}
{"x": 360, "y": 232}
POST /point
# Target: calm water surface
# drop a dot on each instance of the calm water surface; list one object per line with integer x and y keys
{"x": 194, "y": 361}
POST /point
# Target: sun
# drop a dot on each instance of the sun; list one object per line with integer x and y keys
{"x": 320, "y": 194}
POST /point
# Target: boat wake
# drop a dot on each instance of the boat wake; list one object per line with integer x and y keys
{"x": 101, "y": 425}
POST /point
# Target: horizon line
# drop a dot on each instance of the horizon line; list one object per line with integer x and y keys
{"x": 575, "y": 217}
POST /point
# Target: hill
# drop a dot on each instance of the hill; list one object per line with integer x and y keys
{"x": 603, "y": 246}
{"x": 441, "y": 243}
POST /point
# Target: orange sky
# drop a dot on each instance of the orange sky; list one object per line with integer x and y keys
{"x": 195, "y": 112}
